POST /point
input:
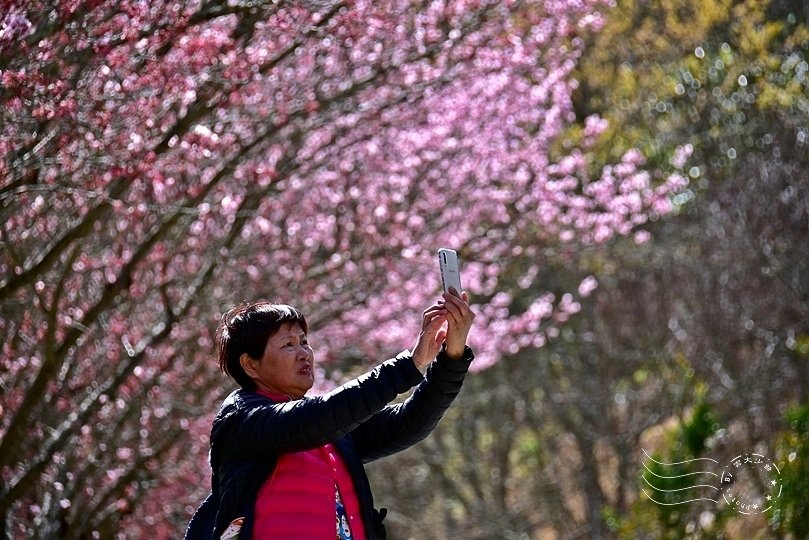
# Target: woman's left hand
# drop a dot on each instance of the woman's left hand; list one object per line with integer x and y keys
{"x": 431, "y": 336}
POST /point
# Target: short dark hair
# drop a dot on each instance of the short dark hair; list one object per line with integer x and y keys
{"x": 246, "y": 328}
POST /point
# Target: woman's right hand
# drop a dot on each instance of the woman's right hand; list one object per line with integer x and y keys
{"x": 431, "y": 337}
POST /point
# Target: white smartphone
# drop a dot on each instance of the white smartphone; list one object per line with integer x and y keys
{"x": 450, "y": 274}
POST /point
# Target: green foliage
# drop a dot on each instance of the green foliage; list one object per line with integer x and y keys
{"x": 700, "y": 426}
{"x": 716, "y": 74}
{"x": 792, "y": 508}
{"x": 672, "y": 494}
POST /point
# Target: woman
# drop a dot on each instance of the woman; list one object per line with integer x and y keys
{"x": 287, "y": 466}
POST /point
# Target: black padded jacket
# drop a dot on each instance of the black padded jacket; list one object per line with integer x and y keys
{"x": 251, "y": 431}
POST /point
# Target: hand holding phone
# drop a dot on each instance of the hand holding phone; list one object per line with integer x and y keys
{"x": 459, "y": 315}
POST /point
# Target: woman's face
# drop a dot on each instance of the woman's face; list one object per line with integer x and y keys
{"x": 287, "y": 366}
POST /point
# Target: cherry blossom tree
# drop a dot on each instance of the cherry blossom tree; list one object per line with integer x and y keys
{"x": 164, "y": 160}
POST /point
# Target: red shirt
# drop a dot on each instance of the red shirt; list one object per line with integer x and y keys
{"x": 298, "y": 500}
